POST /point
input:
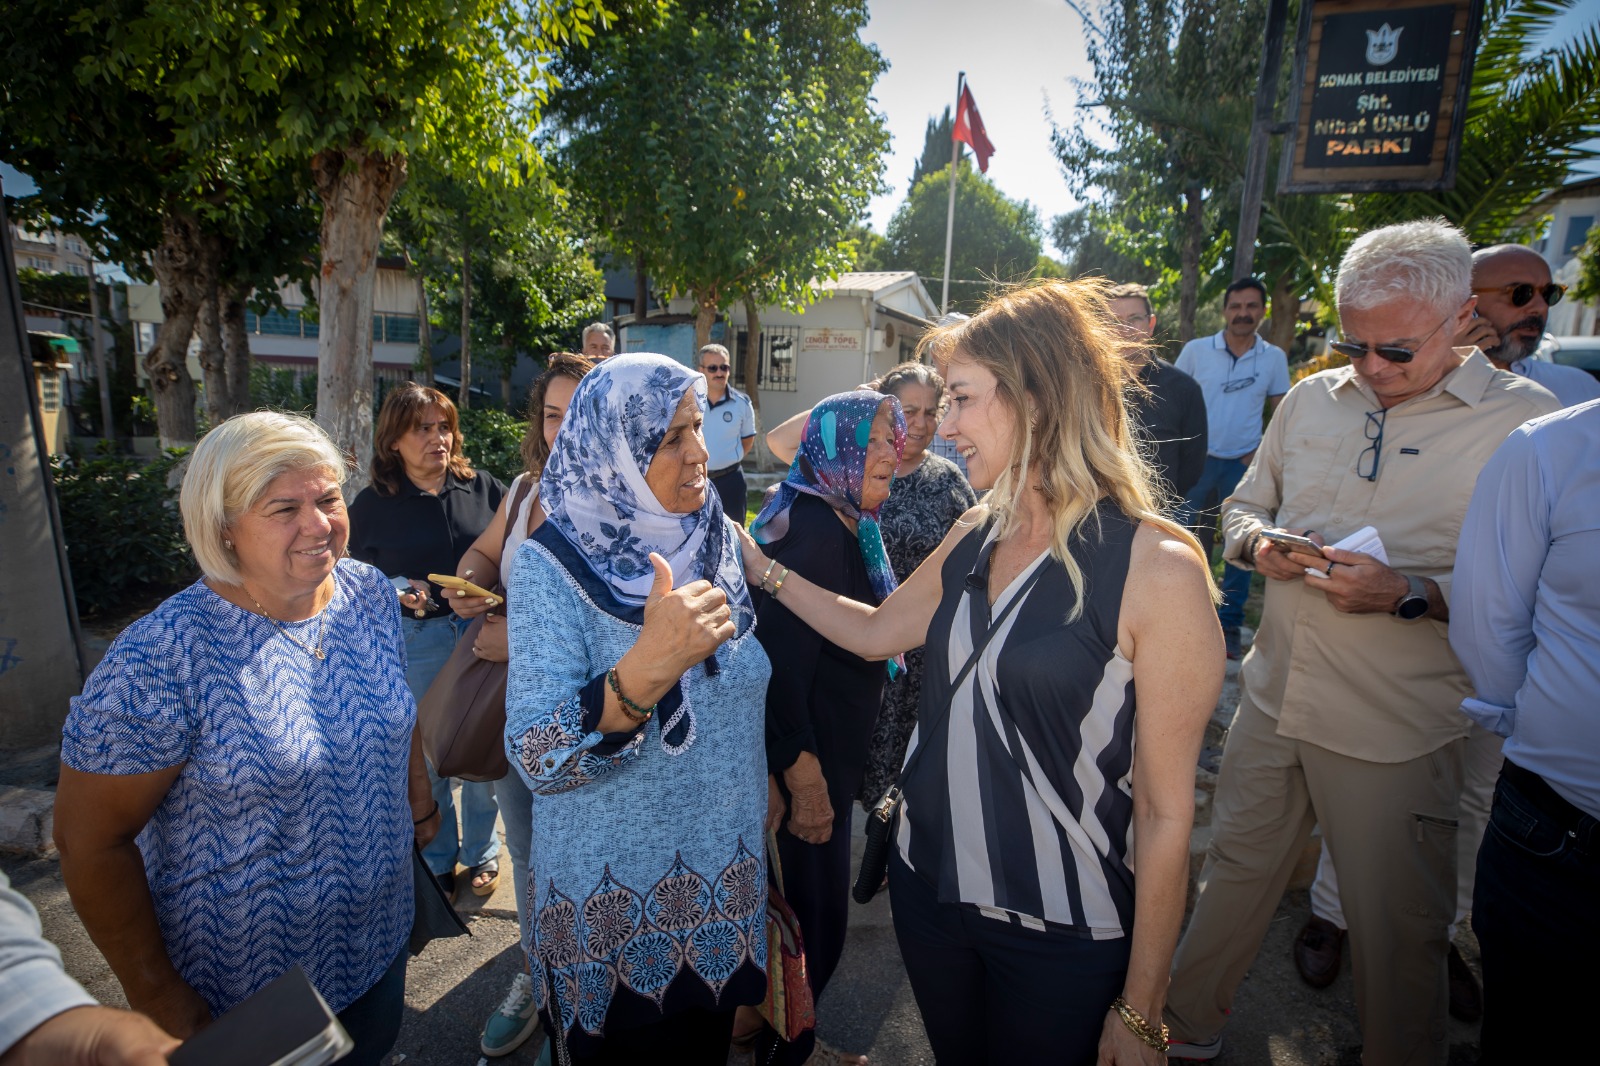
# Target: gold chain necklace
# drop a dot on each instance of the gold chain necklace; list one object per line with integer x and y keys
{"x": 322, "y": 631}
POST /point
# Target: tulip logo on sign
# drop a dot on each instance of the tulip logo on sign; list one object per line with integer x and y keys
{"x": 1383, "y": 44}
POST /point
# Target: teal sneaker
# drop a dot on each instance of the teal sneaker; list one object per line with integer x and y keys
{"x": 512, "y": 1022}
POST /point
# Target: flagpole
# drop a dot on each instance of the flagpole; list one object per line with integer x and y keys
{"x": 950, "y": 214}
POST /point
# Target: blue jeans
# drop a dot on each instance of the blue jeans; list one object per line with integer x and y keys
{"x": 1534, "y": 911}
{"x": 516, "y": 808}
{"x": 373, "y": 1021}
{"x": 429, "y": 643}
{"x": 1200, "y": 505}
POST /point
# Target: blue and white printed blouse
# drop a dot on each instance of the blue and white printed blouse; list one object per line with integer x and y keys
{"x": 647, "y": 879}
{"x": 287, "y": 835}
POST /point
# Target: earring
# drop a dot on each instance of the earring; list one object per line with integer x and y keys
{"x": 228, "y": 544}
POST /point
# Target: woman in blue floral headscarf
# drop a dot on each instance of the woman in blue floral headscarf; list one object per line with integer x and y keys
{"x": 822, "y": 700}
{"x": 634, "y": 712}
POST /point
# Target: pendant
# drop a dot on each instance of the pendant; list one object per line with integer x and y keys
{"x": 319, "y": 655}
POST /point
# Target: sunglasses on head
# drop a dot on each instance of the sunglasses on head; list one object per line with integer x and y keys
{"x": 1522, "y": 293}
{"x": 1392, "y": 352}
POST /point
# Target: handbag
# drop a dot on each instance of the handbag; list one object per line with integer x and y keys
{"x": 789, "y": 1006}
{"x": 434, "y": 917}
{"x": 462, "y": 716}
{"x": 880, "y": 823}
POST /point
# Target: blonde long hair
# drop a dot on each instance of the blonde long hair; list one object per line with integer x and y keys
{"x": 1054, "y": 350}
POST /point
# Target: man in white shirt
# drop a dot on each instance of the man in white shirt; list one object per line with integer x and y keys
{"x": 599, "y": 342}
{"x": 730, "y": 430}
{"x": 1515, "y": 294}
{"x": 1241, "y": 375}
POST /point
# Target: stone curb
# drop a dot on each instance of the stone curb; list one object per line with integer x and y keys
{"x": 27, "y": 821}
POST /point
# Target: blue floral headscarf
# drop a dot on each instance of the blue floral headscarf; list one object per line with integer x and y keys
{"x": 832, "y": 464}
{"x": 593, "y": 487}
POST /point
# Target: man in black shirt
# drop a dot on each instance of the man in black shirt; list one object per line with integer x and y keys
{"x": 1172, "y": 413}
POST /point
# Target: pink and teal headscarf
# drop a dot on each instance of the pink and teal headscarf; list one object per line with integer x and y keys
{"x": 832, "y": 464}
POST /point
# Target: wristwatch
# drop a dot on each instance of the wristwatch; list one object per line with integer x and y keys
{"x": 1414, "y": 604}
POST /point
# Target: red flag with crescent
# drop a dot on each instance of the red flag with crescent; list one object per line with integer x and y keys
{"x": 969, "y": 129}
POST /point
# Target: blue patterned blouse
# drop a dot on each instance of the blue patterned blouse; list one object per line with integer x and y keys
{"x": 286, "y": 837}
{"x": 647, "y": 876}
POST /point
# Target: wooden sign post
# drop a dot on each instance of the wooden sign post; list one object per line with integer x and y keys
{"x": 1380, "y": 93}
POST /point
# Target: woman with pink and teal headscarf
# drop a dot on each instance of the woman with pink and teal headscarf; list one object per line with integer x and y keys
{"x": 822, "y": 700}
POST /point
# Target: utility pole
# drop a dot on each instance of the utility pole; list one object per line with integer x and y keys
{"x": 1261, "y": 130}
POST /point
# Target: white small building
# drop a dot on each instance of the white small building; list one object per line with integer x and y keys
{"x": 1571, "y": 211}
{"x": 860, "y": 325}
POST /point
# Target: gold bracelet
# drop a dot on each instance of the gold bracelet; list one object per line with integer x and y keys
{"x": 1141, "y": 1028}
{"x": 762, "y": 584}
{"x": 781, "y": 579}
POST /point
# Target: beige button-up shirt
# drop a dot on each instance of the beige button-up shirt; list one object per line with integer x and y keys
{"x": 1370, "y": 686}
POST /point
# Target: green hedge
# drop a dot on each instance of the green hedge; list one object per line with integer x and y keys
{"x": 124, "y": 535}
{"x": 493, "y": 441}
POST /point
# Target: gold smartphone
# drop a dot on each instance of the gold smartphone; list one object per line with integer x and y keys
{"x": 1292, "y": 542}
{"x": 460, "y": 584}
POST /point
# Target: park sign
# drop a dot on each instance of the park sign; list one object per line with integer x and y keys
{"x": 1380, "y": 92}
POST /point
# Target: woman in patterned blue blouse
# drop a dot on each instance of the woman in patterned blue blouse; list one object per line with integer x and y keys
{"x": 634, "y": 712}
{"x": 241, "y": 782}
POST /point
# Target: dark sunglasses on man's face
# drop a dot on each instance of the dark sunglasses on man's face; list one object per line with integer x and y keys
{"x": 1392, "y": 352}
{"x": 717, "y": 368}
{"x": 1522, "y": 293}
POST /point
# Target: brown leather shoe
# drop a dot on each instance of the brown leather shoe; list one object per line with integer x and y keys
{"x": 1466, "y": 997}
{"x": 1318, "y": 951}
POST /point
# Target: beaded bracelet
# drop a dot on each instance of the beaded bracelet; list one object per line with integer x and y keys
{"x": 639, "y": 714}
{"x": 1150, "y": 1035}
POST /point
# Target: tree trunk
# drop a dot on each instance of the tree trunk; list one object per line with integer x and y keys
{"x": 213, "y": 362}
{"x": 641, "y": 290}
{"x": 1285, "y": 313}
{"x": 97, "y": 344}
{"x": 236, "y": 347}
{"x": 1194, "y": 232}
{"x": 179, "y": 271}
{"x": 508, "y": 363}
{"x": 424, "y": 366}
{"x": 752, "y": 379}
{"x": 705, "y": 315}
{"x": 356, "y": 187}
{"x": 464, "y": 397}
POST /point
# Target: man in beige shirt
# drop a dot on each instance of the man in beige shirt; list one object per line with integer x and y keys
{"x": 1349, "y": 703}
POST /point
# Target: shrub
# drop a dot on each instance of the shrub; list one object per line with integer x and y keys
{"x": 493, "y": 441}
{"x": 124, "y": 535}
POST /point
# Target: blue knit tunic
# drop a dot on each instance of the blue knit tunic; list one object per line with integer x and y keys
{"x": 647, "y": 874}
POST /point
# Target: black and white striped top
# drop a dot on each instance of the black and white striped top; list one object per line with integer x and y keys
{"x": 1023, "y": 806}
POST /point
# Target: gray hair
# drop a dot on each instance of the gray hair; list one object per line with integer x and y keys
{"x": 599, "y": 327}
{"x": 232, "y": 467}
{"x": 713, "y": 349}
{"x": 1428, "y": 260}
{"x": 912, "y": 374}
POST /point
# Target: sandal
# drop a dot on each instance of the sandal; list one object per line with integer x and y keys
{"x": 491, "y": 870}
{"x": 825, "y": 1054}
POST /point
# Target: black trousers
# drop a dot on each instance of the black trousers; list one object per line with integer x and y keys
{"x": 692, "y": 1037}
{"x": 993, "y": 992}
{"x": 731, "y": 487}
{"x": 816, "y": 884}
{"x": 1534, "y": 910}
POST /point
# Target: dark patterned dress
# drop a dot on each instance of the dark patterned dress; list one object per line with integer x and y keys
{"x": 919, "y": 512}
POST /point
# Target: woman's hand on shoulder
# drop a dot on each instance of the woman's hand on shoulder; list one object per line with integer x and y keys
{"x": 755, "y": 560}
{"x": 682, "y": 626}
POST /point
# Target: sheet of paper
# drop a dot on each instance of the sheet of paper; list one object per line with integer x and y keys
{"x": 1364, "y": 540}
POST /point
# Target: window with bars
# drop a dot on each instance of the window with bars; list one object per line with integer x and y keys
{"x": 779, "y": 346}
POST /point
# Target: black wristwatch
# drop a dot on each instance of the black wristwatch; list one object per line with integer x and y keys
{"x": 1414, "y": 604}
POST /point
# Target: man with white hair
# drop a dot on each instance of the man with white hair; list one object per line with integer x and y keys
{"x": 1349, "y": 702}
{"x": 599, "y": 342}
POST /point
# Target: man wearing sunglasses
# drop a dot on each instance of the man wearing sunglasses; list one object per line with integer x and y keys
{"x": 1349, "y": 705}
{"x": 1515, "y": 295}
{"x": 730, "y": 431}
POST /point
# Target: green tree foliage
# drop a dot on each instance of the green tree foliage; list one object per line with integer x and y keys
{"x": 996, "y": 240}
{"x": 729, "y": 143}
{"x": 937, "y": 148}
{"x": 66, "y": 291}
{"x": 1588, "y": 286}
{"x": 493, "y": 441}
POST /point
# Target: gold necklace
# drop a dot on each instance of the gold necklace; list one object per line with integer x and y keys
{"x": 322, "y": 630}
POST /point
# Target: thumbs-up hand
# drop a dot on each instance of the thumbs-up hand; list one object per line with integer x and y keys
{"x": 682, "y": 626}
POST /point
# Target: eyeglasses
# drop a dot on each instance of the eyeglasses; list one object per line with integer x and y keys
{"x": 1394, "y": 353}
{"x": 723, "y": 369}
{"x": 1375, "y": 435}
{"x": 1522, "y": 293}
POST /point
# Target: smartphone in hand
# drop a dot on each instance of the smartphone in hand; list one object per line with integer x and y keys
{"x": 1288, "y": 542}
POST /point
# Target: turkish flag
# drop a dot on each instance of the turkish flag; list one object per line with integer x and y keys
{"x": 969, "y": 129}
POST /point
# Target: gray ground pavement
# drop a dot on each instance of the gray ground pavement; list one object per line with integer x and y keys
{"x": 454, "y": 985}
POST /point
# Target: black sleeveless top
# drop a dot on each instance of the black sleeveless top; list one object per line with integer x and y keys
{"x": 1023, "y": 803}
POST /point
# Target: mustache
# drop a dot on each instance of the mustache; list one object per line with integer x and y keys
{"x": 1531, "y": 322}
{"x": 1244, "y": 320}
